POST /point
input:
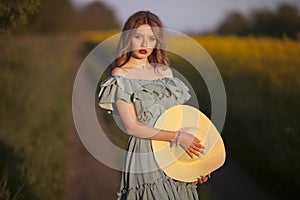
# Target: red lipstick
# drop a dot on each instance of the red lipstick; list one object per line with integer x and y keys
{"x": 142, "y": 51}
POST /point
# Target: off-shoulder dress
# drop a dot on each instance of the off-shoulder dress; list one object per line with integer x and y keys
{"x": 142, "y": 179}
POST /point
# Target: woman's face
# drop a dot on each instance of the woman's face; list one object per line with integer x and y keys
{"x": 143, "y": 42}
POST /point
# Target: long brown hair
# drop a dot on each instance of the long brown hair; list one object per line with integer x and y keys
{"x": 159, "y": 56}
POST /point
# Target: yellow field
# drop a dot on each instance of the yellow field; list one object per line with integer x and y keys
{"x": 274, "y": 59}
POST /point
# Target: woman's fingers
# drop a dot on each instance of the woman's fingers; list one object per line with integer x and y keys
{"x": 196, "y": 148}
{"x": 192, "y": 152}
{"x": 189, "y": 153}
{"x": 202, "y": 179}
{"x": 199, "y": 181}
{"x": 198, "y": 144}
{"x": 195, "y": 152}
{"x": 191, "y": 144}
{"x": 196, "y": 140}
{"x": 205, "y": 178}
{"x": 196, "y": 182}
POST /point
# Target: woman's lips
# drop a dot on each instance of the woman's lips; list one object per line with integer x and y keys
{"x": 142, "y": 51}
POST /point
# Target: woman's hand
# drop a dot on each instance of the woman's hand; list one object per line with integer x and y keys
{"x": 202, "y": 179}
{"x": 190, "y": 144}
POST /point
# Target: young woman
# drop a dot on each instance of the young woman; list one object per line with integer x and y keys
{"x": 141, "y": 88}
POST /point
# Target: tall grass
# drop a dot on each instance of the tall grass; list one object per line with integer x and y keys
{"x": 35, "y": 116}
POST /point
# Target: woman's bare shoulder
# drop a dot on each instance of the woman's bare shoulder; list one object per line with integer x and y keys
{"x": 166, "y": 72}
{"x": 118, "y": 71}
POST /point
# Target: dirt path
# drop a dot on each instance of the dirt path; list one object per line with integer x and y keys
{"x": 88, "y": 179}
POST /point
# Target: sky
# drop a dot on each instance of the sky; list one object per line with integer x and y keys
{"x": 194, "y": 16}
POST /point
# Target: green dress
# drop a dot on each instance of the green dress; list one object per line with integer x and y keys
{"x": 142, "y": 179}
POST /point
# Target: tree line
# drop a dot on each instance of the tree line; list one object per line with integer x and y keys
{"x": 44, "y": 16}
{"x": 284, "y": 21}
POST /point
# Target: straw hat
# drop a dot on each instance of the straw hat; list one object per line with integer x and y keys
{"x": 174, "y": 161}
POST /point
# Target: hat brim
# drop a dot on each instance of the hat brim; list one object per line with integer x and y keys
{"x": 174, "y": 161}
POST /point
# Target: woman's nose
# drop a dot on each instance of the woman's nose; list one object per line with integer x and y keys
{"x": 144, "y": 43}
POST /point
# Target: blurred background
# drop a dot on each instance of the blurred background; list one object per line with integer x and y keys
{"x": 254, "y": 43}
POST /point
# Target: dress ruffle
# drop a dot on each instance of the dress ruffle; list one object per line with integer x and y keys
{"x": 111, "y": 90}
{"x": 162, "y": 189}
{"x": 118, "y": 87}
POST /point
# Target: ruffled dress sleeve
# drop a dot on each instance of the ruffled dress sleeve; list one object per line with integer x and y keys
{"x": 179, "y": 89}
{"x": 111, "y": 90}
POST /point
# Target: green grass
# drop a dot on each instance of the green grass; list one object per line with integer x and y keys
{"x": 35, "y": 115}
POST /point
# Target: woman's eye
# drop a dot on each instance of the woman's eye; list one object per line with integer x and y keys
{"x": 152, "y": 38}
{"x": 137, "y": 37}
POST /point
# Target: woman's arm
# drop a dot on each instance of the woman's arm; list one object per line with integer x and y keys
{"x": 127, "y": 113}
{"x": 137, "y": 129}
